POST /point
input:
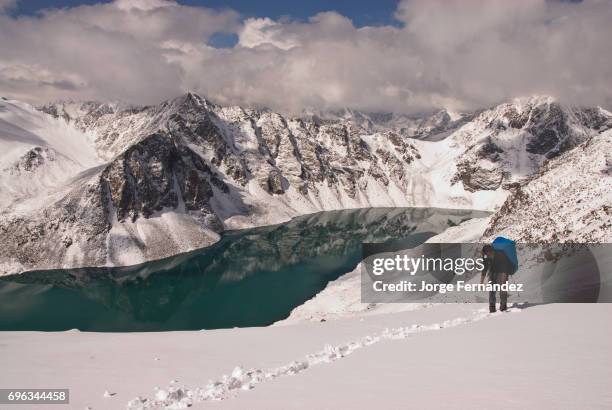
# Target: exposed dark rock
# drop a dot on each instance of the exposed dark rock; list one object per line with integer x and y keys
{"x": 490, "y": 151}
{"x": 516, "y": 120}
{"x": 475, "y": 178}
{"x": 548, "y": 126}
{"x": 277, "y": 184}
{"x": 155, "y": 174}
{"x": 33, "y": 159}
{"x": 594, "y": 118}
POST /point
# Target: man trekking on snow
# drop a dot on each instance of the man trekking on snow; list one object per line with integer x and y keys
{"x": 498, "y": 266}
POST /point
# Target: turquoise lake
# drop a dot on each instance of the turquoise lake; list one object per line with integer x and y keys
{"x": 251, "y": 277}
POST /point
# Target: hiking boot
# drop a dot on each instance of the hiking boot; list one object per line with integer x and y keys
{"x": 491, "y": 309}
{"x": 503, "y": 308}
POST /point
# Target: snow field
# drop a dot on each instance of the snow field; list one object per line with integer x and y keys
{"x": 227, "y": 386}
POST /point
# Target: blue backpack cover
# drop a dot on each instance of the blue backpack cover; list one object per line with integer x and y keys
{"x": 508, "y": 247}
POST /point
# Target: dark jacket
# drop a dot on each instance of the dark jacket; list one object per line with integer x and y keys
{"x": 499, "y": 264}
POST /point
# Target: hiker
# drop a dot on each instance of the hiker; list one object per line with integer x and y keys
{"x": 498, "y": 266}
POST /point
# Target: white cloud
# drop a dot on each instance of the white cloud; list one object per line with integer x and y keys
{"x": 141, "y": 4}
{"x": 264, "y": 31}
{"x": 117, "y": 51}
{"x": 448, "y": 52}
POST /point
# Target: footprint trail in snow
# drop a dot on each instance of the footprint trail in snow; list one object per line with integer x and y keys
{"x": 175, "y": 397}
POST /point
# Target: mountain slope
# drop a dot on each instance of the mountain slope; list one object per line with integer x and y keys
{"x": 297, "y": 165}
{"x": 141, "y": 183}
{"x": 37, "y": 154}
{"x": 570, "y": 200}
{"x": 432, "y": 126}
{"x": 509, "y": 143}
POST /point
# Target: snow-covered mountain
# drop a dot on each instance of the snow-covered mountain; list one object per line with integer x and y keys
{"x": 570, "y": 200}
{"x": 508, "y": 144}
{"x": 37, "y": 154}
{"x": 104, "y": 184}
{"x": 430, "y": 126}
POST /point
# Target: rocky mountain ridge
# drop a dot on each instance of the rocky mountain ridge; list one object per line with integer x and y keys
{"x": 169, "y": 178}
{"x": 569, "y": 200}
{"x": 519, "y": 137}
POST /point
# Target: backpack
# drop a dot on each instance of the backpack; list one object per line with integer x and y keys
{"x": 508, "y": 247}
